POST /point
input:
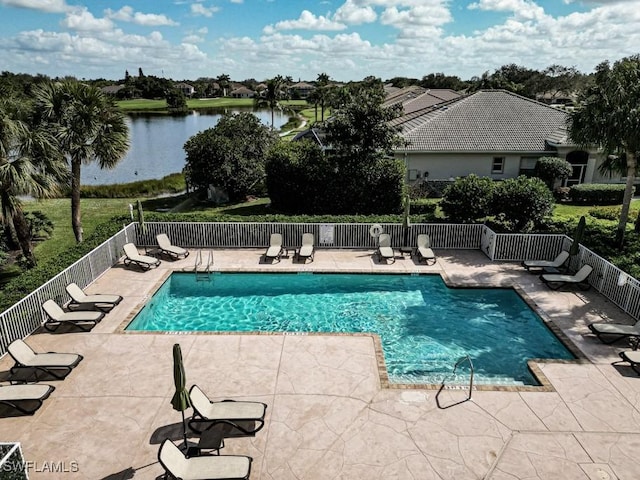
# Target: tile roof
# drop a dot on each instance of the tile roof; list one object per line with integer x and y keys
{"x": 428, "y": 99}
{"x": 403, "y": 94}
{"x": 488, "y": 121}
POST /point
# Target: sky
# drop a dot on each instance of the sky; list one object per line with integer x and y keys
{"x": 346, "y": 39}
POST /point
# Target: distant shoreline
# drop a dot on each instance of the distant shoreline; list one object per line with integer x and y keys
{"x": 159, "y": 106}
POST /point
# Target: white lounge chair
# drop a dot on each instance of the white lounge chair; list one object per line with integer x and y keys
{"x": 275, "y": 250}
{"x": 82, "y": 301}
{"x": 132, "y": 256}
{"x": 307, "y": 248}
{"x": 58, "y": 365}
{"x": 384, "y": 248}
{"x": 208, "y": 467}
{"x": 633, "y": 358}
{"x": 170, "y": 250}
{"x": 612, "y": 332}
{"x": 581, "y": 278}
{"x": 424, "y": 251}
{"x": 246, "y": 418}
{"x": 556, "y": 263}
{"x": 56, "y": 317}
{"x": 25, "y": 398}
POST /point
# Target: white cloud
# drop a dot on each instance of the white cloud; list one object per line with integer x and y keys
{"x": 199, "y": 9}
{"x": 237, "y": 1}
{"x": 111, "y": 51}
{"x": 525, "y": 9}
{"x": 127, "y": 14}
{"x": 307, "y": 21}
{"x": 426, "y": 16}
{"x": 353, "y": 14}
{"x": 50, "y": 6}
{"x": 81, "y": 19}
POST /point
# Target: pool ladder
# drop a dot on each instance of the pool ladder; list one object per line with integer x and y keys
{"x": 461, "y": 360}
{"x": 203, "y": 272}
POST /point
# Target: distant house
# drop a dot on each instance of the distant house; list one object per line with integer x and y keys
{"x": 316, "y": 135}
{"x": 112, "y": 89}
{"x": 302, "y": 89}
{"x": 493, "y": 133}
{"x": 186, "y": 89}
{"x": 242, "y": 92}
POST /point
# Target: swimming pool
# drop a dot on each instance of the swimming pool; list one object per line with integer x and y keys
{"x": 424, "y": 326}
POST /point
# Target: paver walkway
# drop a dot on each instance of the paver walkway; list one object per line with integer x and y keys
{"x": 328, "y": 417}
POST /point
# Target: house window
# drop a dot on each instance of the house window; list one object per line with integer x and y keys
{"x": 414, "y": 174}
{"x": 528, "y": 166}
{"x": 498, "y": 165}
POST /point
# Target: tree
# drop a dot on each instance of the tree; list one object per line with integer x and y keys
{"x": 224, "y": 81}
{"x": 29, "y": 165}
{"x": 360, "y": 128}
{"x": 322, "y": 89}
{"x": 272, "y": 96}
{"x": 176, "y": 101}
{"x": 560, "y": 80}
{"x": 609, "y": 118}
{"x": 303, "y": 179}
{"x": 549, "y": 169}
{"x": 88, "y": 127}
{"x": 230, "y": 155}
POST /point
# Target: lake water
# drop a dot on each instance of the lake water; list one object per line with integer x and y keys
{"x": 157, "y": 145}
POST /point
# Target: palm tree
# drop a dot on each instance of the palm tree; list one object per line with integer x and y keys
{"x": 88, "y": 127}
{"x": 322, "y": 89}
{"x": 609, "y": 118}
{"x": 29, "y": 165}
{"x": 224, "y": 81}
{"x": 272, "y": 96}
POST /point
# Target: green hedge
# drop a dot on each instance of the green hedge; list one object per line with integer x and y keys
{"x": 416, "y": 217}
{"x": 597, "y": 194}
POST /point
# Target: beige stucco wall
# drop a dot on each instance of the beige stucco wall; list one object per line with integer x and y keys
{"x": 442, "y": 166}
{"x": 446, "y": 165}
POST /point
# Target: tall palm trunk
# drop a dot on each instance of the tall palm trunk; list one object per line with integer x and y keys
{"x": 628, "y": 194}
{"x": 21, "y": 228}
{"x": 76, "y": 221}
{"x": 24, "y": 237}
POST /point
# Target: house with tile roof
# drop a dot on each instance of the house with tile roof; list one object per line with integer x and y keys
{"x": 491, "y": 133}
{"x": 242, "y": 92}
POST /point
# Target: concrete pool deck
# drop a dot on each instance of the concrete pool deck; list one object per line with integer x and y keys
{"x": 328, "y": 416}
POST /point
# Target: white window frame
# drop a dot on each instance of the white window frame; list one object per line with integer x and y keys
{"x": 495, "y": 162}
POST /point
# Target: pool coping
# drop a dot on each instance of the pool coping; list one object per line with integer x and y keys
{"x": 533, "y": 364}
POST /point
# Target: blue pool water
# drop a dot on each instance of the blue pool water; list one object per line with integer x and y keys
{"x": 424, "y": 326}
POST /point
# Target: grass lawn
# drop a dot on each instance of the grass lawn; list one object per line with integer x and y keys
{"x": 94, "y": 211}
{"x": 144, "y": 105}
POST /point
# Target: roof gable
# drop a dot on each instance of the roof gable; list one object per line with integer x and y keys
{"x": 490, "y": 120}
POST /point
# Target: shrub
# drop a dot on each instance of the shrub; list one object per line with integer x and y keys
{"x": 467, "y": 199}
{"x": 551, "y": 168}
{"x": 521, "y": 203}
{"x": 611, "y": 213}
{"x": 302, "y": 179}
{"x": 429, "y": 188}
{"x": 39, "y": 225}
{"x": 597, "y": 193}
{"x": 419, "y": 207}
